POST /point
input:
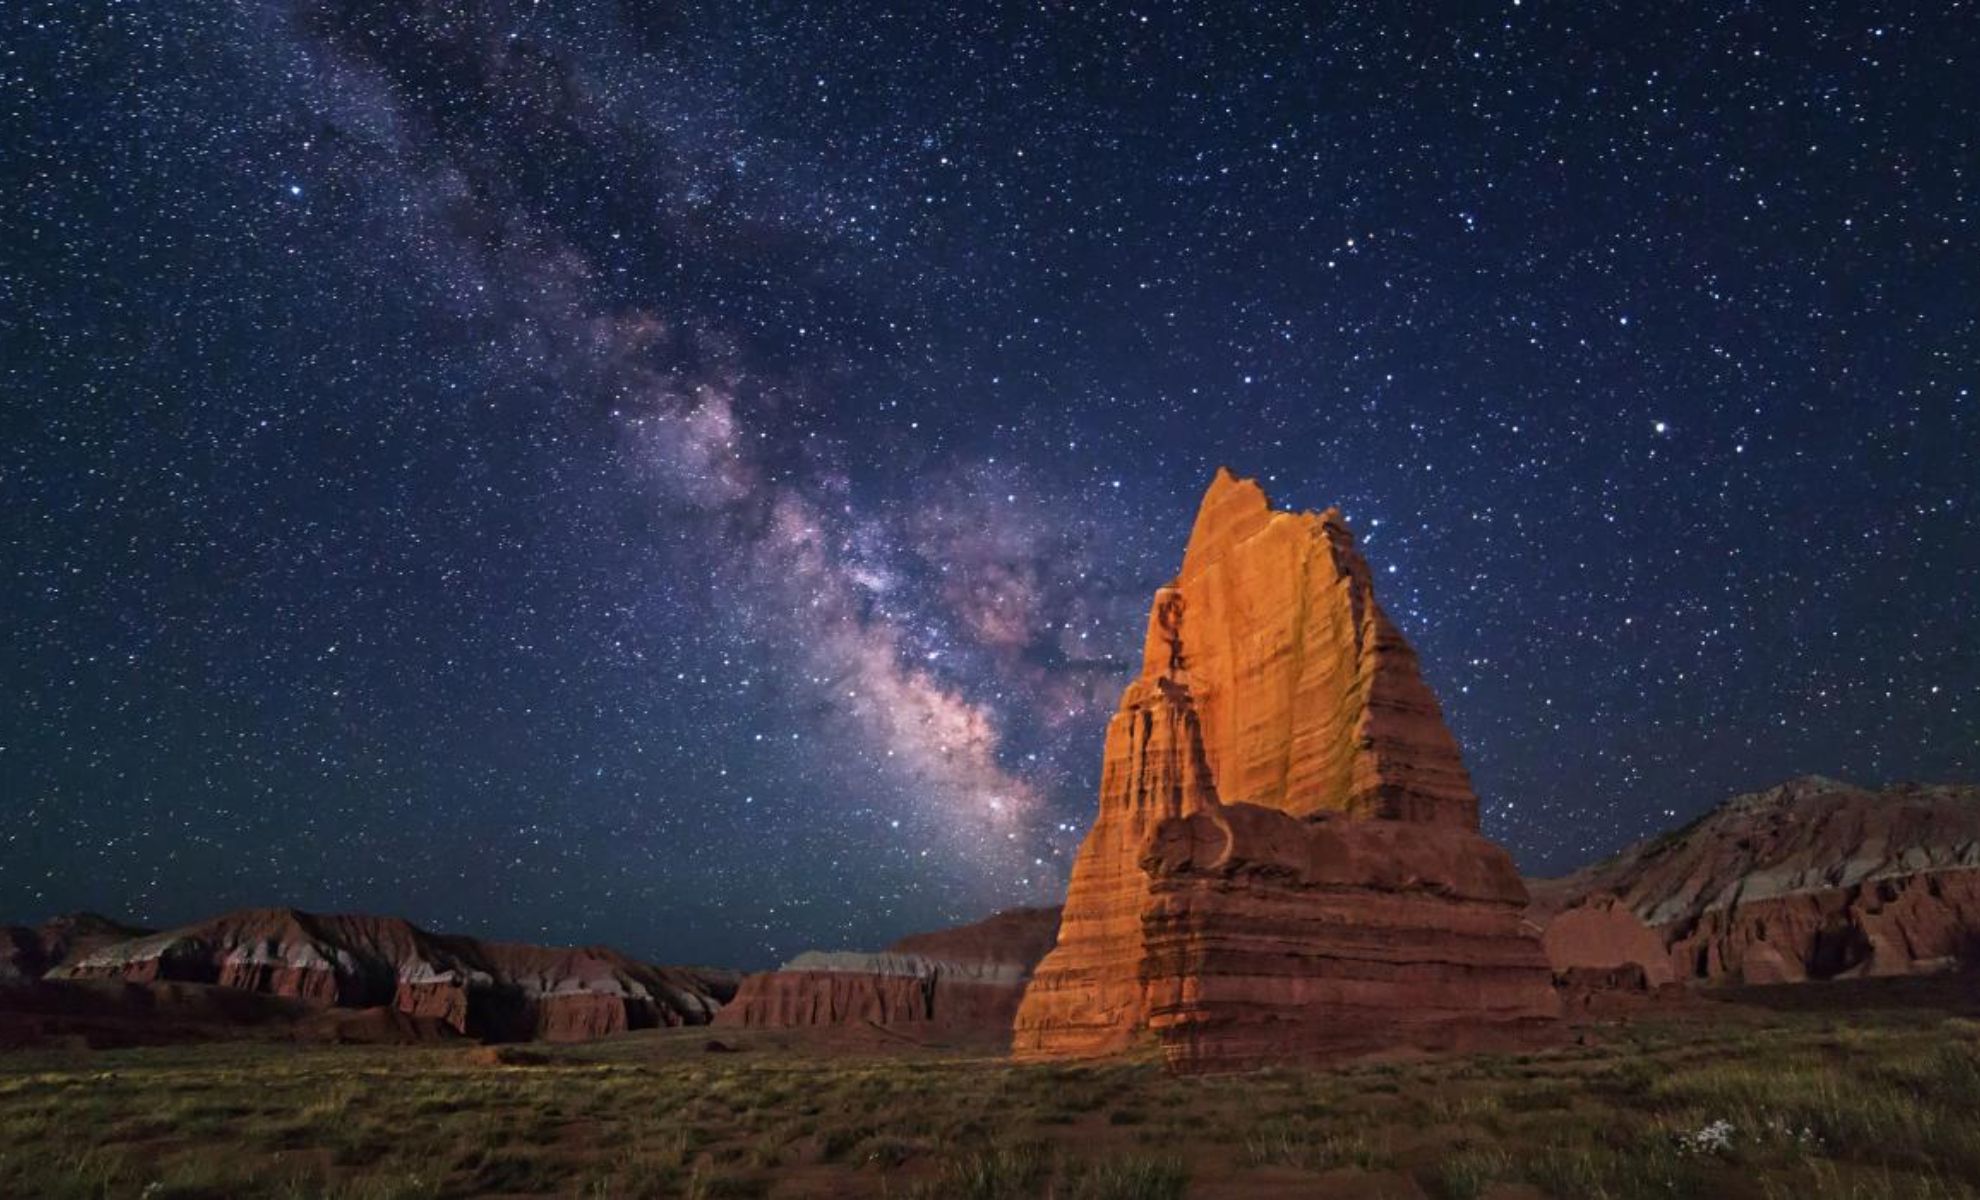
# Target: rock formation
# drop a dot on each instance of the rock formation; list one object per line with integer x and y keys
{"x": 1814, "y": 879}
{"x": 1600, "y": 934}
{"x": 1607, "y": 962}
{"x": 29, "y": 952}
{"x": 494, "y": 991}
{"x": 1286, "y": 861}
{"x": 962, "y": 982}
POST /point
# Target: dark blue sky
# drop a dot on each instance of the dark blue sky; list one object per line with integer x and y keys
{"x": 690, "y": 476}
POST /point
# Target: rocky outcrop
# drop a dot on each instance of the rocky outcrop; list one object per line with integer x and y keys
{"x": 29, "y": 952}
{"x": 1814, "y": 879}
{"x": 962, "y": 982}
{"x": 577, "y": 995}
{"x": 1600, "y": 938}
{"x": 493, "y": 991}
{"x": 1286, "y": 862}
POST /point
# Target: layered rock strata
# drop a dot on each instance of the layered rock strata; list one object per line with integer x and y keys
{"x": 1814, "y": 879}
{"x": 962, "y": 982}
{"x": 1286, "y": 862}
{"x": 494, "y": 991}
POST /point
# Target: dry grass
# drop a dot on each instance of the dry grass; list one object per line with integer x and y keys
{"x": 1795, "y": 1105}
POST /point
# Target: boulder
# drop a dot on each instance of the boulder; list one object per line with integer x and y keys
{"x": 1600, "y": 934}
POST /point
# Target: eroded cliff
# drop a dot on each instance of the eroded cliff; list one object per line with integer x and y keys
{"x": 1286, "y": 861}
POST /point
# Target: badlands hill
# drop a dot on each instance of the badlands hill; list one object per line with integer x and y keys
{"x": 959, "y": 984}
{"x": 1813, "y": 879}
{"x": 307, "y": 974}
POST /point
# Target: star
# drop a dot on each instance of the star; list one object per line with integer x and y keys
{"x": 701, "y": 438}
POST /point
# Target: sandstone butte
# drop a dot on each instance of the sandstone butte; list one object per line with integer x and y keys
{"x": 1286, "y": 862}
{"x": 961, "y": 983}
{"x": 1813, "y": 879}
{"x": 491, "y": 990}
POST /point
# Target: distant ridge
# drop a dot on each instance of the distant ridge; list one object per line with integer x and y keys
{"x": 496, "y": 991}
{"x": 1814, "y": 878}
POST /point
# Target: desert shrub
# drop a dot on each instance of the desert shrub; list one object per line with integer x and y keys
{"x": 1824, "y": 1181}
{"x": 889, "y": 1150}
{"x": 1009, "y": 1172}
{"x": 92, "y": 1174}
{"x": 1540, "y": 1097}
{"x": 1628, "y": 1080}
{"x": 708, "y": 1184}
{"x": 1953, "y": 1078}
{"x": 1909, "y": 1114}
{"x": 676, "y": 1147}
{"x": 377, "y": 1187}
{"x": 836, "y": 1141}
{"x": 1286, "y": 1145}
{"x": 1744, "y": 1084}
{"x": 515, "y": 1170}
{"x": 1130, "y": 1177}
{"x": 358, "y": 1147}
{"x": 200, "y": 1177}
{"x": 633, "y": 1177}
{"x": 1459, "y": 1108}
{"x": 1650, "y": 1168}
{"x": 1466, "y": 1174}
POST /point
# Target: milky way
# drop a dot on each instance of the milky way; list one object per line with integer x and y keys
{"x": 691, "y": 476}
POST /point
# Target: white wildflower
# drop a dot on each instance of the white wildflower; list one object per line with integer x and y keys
{"x": 1715, "y": 1137}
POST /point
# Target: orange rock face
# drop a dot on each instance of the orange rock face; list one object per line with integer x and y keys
{"x": 1814, "y": 879}
{"x": 1287, "y": 861}
{"x": 1307, "y": 695}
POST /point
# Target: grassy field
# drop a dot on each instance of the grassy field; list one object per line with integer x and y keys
{"x": 1815, "y": 1105}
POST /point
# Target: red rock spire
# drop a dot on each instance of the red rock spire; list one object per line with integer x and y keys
{"x": 1310, "y": 698}
{"x": 1286, "y": 859}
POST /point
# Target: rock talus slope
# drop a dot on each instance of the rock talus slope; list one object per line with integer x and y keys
{"x": 1813, "y": 879}
{"x": 1286, "y": 861}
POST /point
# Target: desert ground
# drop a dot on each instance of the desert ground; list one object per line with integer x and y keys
{"x": 1862, "y": 1091}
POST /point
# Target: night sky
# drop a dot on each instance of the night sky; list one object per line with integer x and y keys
{"x": 690, "y": 476}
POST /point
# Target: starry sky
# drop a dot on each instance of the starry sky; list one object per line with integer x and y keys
{"x": 690, "y": 475}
